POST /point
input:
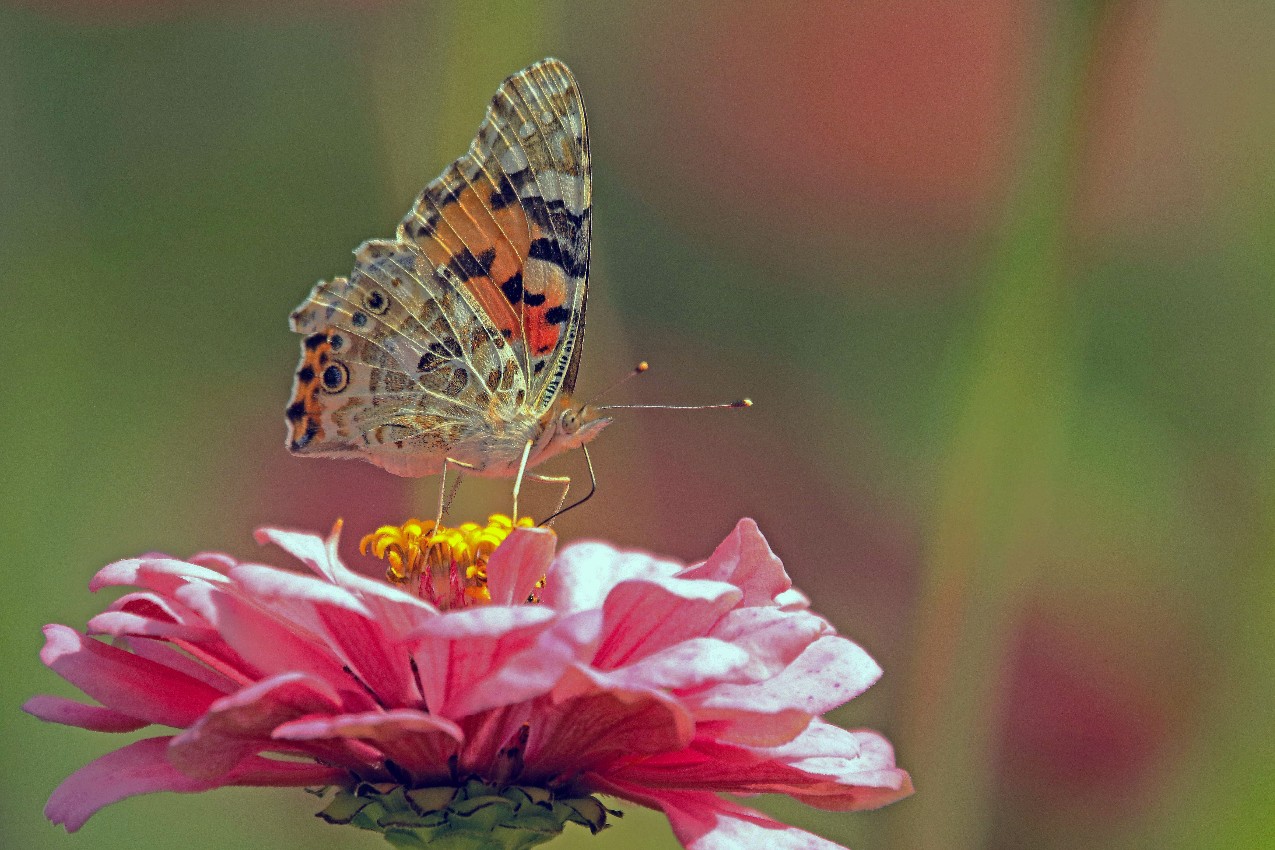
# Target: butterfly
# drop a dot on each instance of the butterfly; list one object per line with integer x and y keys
{"x": 459, "y": 340}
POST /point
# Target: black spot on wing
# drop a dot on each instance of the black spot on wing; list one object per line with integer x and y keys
{"x": 553, "y": 215}
{"x": 513, "y": 288}
{"x": 438, "y": 354}
{"x": 313, "y": 341}
{"x": 505, "y": 196}
{"x": 520, "y": 178}
{"x": 466, "y": 265}
{"x": 450, "y": 196}
{"x": 376, "y": 302}
{"x": 457, "y": 382}
{"x": 296, "y": 411}
{"x": 557, "y": 315}
{"x": 417, "y": 229}
{"x": 336, "y": 377}
{"x": 534, "y": 300}
{"x": 549, "y": 251}
{"x": 311, "y": 431}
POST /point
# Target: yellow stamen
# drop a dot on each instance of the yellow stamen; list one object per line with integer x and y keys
{"x": 445, "y": 560}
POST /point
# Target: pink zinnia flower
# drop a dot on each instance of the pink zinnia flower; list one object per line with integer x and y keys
{"x": 493, "y": 685}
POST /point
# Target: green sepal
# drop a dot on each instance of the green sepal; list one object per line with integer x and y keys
{"x": 343, "y": 808}
{"x": 431, "y": 800}
{"x": 586, "y": 811}
{"x": 472, "y": 816}
{"x": 522, "y": 794}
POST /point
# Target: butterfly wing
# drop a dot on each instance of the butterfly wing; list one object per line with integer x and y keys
{"x": 398, "y": 364}
{"x": 512, "y": 218}
{"x": 474, "y": 314}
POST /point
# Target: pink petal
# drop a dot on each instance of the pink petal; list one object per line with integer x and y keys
{"x": 71, "y": 713}
{"x": 346, "y": 625}
{"x": 584, "y": 573}
{"x": 772, "y": 637}
{"x": 142, "y": 768}
{"x": 745, "y": 560}
{"x": 216, "y": 561}
{"x": 704, "y": 821}
{"x": 241, "y": 724}
{"x": 750, "y": 728}
{"x": 527, "y": 673}
{"x": 223, "y": 679}
{"x": 824, "y": 741}
{"x": 126, "y": 682}
{"x": 309, "y": 549}
{"x": 397, "y": 611}
{"x": 645, "y": 616}
{"x": 162, "y": 575}
{"x": 585, "y": 730}
{"x": 792, "y": 599}
{"x": 859, "y": 766}
{"x": 266, "y": 644}
{"x": 291, "y": 595}
{"x": 687, "y": 665}
{"x": 518, "y": 563}
{"x": 826, "y": 767}
{"x": 416, "y": 740}
{"x": 831, "y": 671}
{"x": 470, "y": 660}
{"x": 150, "y": 615}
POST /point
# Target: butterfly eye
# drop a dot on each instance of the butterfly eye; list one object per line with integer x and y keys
{"x": 336, "y": 377}
{"x": 376, "y": 302}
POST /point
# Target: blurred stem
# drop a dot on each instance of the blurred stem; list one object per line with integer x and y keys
{"x": 1233, "y": 807}
{"x": 1000, "y": 474}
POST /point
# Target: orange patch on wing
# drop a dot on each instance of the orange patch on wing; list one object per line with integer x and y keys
{"x": 542, "y": 335}
{"x": 306, "y": 399}
{"x": 471, "y": 223}
{"x": 551, "y": 282}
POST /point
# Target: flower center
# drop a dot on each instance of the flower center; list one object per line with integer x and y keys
{"x": 443, "y": 565}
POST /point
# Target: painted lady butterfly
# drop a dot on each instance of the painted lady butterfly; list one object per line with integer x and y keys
{"x": 458, "y": 341}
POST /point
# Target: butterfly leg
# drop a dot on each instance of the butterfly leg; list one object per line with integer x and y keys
{"x": 564, "y": 480}
{"x": 444, "y": 500}
{"x": 593, "y": 488}
{"x": 522, "y": 471}
{"x": 451, "y": 494}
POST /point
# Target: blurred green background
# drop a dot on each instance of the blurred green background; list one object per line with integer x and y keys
{"x": 998, "y": 276}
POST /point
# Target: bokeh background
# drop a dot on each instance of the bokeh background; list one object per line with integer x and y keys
{"x": 997, "y": 274}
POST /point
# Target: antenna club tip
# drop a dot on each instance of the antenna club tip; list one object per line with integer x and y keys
{"x": 642, "y": 367}
{"x": 743, "y": 402}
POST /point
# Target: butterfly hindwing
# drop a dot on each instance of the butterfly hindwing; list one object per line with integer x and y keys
{"x": 512, "y": 219}
{"x": 397, "y": 363}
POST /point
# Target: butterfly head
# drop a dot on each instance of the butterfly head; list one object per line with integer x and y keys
{"x": 577, "y": 426}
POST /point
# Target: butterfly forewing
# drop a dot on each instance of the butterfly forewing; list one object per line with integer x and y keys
{"x": 512, "y": 218}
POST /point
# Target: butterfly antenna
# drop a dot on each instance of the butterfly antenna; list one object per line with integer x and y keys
{"x": 637, "y": 370}
{"x": 738, "y": 403}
